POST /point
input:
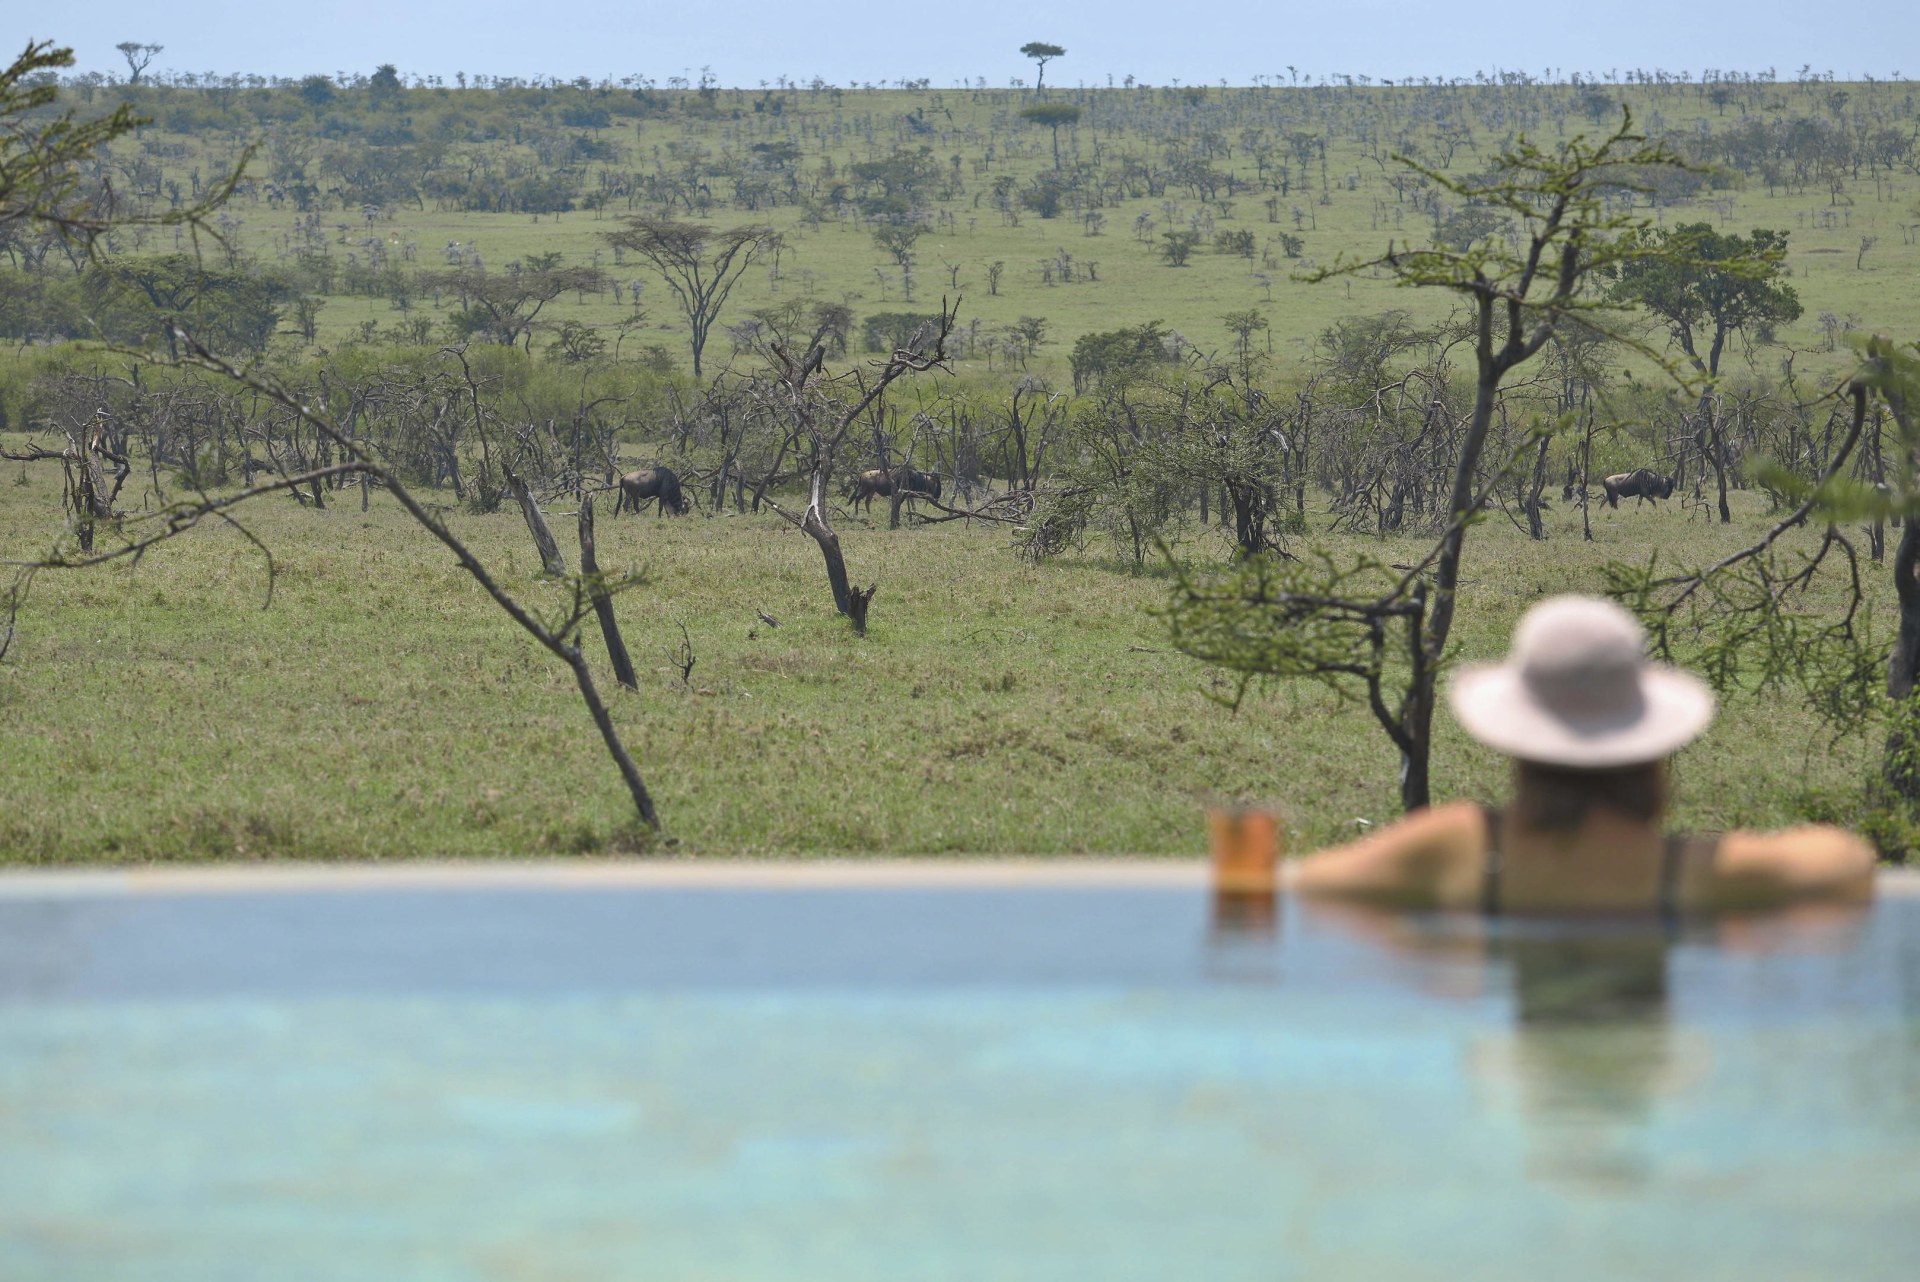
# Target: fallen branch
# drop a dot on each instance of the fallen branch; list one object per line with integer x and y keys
{"x": 1019, "y": 505}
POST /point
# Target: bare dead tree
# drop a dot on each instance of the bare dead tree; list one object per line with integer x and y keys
{"x": 1028, "y": 433}
{"x": 1531, "y": 500}
{"x": 550, "y": 559}
{"x": 169, "y": 522}
{"x": 820, "y": 411}
{"x": 603, "y": 600}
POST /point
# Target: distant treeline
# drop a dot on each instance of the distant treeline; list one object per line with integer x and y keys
{"x": 341, "y": 159}
{"x": 513, "y": 146}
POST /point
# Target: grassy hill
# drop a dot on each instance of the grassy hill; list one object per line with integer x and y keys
{"x": 399, "y": 185}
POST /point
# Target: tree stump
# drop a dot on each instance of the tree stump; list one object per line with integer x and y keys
{"x": 543, "y": 539}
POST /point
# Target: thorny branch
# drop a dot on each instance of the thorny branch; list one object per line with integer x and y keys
{"x": 1741, "y": 607}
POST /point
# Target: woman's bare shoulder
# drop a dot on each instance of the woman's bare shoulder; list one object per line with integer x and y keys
{"x": 1811, "y": 861}
{"x": 1410, "y": 862}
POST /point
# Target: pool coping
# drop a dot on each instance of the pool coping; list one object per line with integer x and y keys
{"x": 585, "y": 874}
{"x": 708, "y": 874}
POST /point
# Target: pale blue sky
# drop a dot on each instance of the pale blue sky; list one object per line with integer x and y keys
{"x": 748, "y": 41}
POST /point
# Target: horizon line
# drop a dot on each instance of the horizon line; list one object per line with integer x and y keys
{"x": 1552, "y": 77}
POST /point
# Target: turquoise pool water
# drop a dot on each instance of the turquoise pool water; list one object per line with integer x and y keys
{"x": 967, "y": 1082}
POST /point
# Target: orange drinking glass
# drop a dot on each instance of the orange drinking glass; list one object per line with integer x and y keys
{"x": 1245, "y": 844}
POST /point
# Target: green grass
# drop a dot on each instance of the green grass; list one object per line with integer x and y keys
{"x": 1135, "y": 285}
{"x": 382, "y": 708}
{"x": 1346, "y": 205}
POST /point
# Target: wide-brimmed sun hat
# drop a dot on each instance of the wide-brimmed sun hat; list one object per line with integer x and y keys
{"x": 1578, "y": 690}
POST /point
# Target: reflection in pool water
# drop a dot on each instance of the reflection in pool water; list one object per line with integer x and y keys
{"x": 868, "y": 1083}
{"x": 1591, "y": 1048}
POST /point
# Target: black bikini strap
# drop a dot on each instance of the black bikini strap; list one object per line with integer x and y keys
{"x": 1672, "y": 863}
{"x": 1490, "y": 872}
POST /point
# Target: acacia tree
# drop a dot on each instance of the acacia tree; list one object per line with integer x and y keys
{"x": 1386, "y": 628}
{"x": 1042, "y": 53}
{"x": 139, "y": 57}
{"x": 700, "y": 264}
{"x": 1705, "y": 287}
{"x": 229, "y": 310}
{"x": 897, "y": 240}
{"x": 1243, "y": 326}
{"x": 385, "y": 85}
{"x": 505, "y": 306}
{"x": 1053, "y": 115}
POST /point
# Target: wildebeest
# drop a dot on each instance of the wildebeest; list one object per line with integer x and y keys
{"x": 1641, "y": 484}
{"x": 652, "y": 483}
{"x": 882, "y": 482}
{"x": 865, "y": 485}
{"x": 927, "y": 483}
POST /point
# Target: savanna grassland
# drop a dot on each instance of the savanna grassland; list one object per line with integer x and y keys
{"x": 358, "y": 197}
{"x": 380, "y": 706}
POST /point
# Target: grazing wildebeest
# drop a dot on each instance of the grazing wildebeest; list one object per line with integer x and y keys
{"x": 652, "y": 483}
{"x": 1641, "y": 484}
{"x": 882, "y": 482}
{"x": 864, "y": 486}
{"x": 913, "y": 482}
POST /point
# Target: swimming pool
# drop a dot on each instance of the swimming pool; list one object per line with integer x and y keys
{"x": 964, "y": 1073}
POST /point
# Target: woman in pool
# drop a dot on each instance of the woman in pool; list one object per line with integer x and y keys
{"x": 1590, "y": 724}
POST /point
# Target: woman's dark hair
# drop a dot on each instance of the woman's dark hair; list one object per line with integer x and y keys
{"x": 1559, "y": 798}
